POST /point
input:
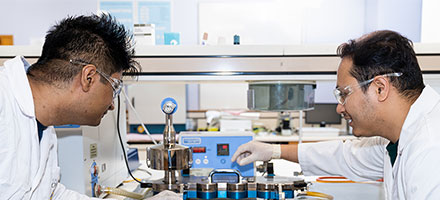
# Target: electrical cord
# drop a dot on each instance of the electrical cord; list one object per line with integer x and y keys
{"x": 143, "y": 185}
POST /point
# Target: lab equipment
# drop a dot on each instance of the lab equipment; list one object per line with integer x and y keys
{"x": 169, "y": 156}
{"x": 323, "y": 114}
{"x": 284, "y": 121}
{"x": 216, "y": 176}
{"x": 281, "y": 95}
{"x": 214, "y": 150}
{"x": 204, "y": 39}
{"x": 6, "y": 40}
{"x": 261, "y": 187}
{"x": 236, "y": 40}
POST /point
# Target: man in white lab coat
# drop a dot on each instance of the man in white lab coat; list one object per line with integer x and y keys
{"x": 73, "y": 82}
{"x": 380, "y": 91}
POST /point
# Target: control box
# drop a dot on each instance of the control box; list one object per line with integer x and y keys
{"x": 215, "y": 149}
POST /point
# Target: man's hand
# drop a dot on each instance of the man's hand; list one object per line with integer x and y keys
{"x": 255, "y": 151}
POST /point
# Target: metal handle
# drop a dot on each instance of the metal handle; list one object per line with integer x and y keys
{"x": 225, "y": 171}
{"x": 251, "y": 99}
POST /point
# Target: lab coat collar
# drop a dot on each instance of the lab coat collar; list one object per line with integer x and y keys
{"x": 21, "y": 89}
{"x": 424, "y": 104}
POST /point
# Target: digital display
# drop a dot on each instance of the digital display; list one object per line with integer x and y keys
{"x": 222, "y": 149}
{"x": 199, "y": 149}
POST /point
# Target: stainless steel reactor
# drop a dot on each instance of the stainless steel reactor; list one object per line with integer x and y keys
{"x": 169, "y": 156}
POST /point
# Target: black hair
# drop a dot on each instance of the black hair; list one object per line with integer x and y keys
{"x": 98, "y": 40}
{"x": 383, "y": 52}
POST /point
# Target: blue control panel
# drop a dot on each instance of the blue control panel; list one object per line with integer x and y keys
{"x": 215, "y": 150}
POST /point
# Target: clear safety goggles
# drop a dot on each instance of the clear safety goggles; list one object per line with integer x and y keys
{"x": 341, "y": 94}
{"x": 116, "y": 84}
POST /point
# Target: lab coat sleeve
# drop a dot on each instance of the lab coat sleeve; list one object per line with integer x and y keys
{"x": 422, "y": 180}
{"x": 358, "y": 160}
{"x": 8, "y": 190}
{"x": 62, "y": 193}
{"x": 9, "y": 167}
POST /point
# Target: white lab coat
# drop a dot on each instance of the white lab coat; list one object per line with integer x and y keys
{"x": 415, "y": 174}
{"x": 28, "y": 168}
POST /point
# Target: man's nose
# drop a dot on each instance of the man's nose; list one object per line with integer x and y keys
{"x": 112, "y": 106}
{"x": 340, "y": 108}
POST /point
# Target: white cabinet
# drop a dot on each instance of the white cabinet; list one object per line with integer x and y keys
{"x": 147, "y": 97}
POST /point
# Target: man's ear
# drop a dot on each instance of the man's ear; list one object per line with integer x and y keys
{"x": 382, "y": 87}
{"x": 87, "y": 77}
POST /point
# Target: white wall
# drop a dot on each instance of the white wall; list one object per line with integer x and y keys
{"x": 306, "y": 22}
{"x": 430, "y": 31}
{"x": 325, "y": 21}
{"x": 334, "y": 21}
{"x": 256, "y": 22}
{"x": 31, "y": 19}
{"x": 403, "y": 16}
{"x": 223, "y": 95}
{"x": 184, "y": 20}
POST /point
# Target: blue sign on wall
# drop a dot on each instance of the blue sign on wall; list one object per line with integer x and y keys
{"x": 157, "y": 13}
{"x": 121, "y": 10}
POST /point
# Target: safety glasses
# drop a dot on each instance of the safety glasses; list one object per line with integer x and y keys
{"x": 341, "y": 94}
{"x": 116, "y": 84}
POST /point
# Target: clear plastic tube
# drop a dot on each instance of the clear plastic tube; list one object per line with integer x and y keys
{"x": 137, "y": 116}
{"x": 121, "y": 192}
{"x": 316, "y": 194}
